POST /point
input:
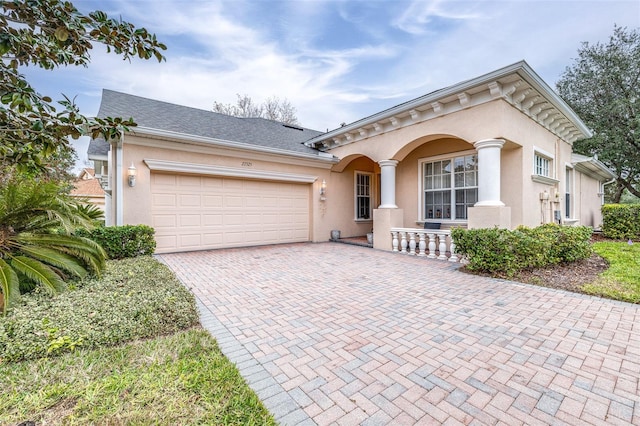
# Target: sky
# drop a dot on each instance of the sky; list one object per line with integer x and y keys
{"x": 335, "y": 61}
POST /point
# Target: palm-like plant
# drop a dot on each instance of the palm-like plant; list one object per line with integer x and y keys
{"x": 37, "y": 244}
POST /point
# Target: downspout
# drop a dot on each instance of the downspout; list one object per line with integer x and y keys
{"x": 603, "y": 185}
{"x": 119, "y": 181}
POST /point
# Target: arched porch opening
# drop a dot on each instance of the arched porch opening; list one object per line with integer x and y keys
{"x": 355, "y": 189}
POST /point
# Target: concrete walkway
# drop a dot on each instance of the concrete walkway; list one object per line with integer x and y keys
{"x": 336, "y": 334}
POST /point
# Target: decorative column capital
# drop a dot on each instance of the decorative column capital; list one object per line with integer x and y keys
{"x": 388, "y": 163}
{"x": 489, "y": 143}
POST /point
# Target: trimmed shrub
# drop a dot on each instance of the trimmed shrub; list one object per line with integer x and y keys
{"x": 121, "y": 242}
{"x": 621, "y": 221}
{"x": 134, "y": 299}
{"x": 504, "y": 251}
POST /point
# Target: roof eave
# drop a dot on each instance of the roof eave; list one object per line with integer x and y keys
{"x": 521, "y": 68}
{"x": 202, "y": 140}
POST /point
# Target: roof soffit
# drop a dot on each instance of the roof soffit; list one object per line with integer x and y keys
{"x": 517, "y": 84}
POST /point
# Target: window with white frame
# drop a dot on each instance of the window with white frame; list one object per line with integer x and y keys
{"x": 449, "y": 187}
{"x": 541, "y": 165}
{"x": 363, "y": 198}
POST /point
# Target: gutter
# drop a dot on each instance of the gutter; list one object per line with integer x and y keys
{"x": 207, "y": 141}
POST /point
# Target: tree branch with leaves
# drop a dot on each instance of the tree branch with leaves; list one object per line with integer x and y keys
{"x": 603, "y": 87}
{"x": 50, "y": 34}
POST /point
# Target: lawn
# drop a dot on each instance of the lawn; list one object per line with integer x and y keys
{"x": 622, "y": 280}
{"x": 122, "y": 349}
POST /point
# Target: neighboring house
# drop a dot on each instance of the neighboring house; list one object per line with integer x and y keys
{"x": 492, "y": 151}
{"x": 87, "y": 187}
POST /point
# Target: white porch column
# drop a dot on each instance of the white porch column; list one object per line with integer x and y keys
{"x": 489, "y": 172}
{"x": 489, "y": 211}
{"x": 388, "y": 184}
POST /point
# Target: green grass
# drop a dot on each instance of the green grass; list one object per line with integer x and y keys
{"x": 178, "y": 379}
{"x": 622, "y": 280}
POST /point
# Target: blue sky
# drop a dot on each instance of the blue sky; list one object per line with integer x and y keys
{"x": 335, "y": 61}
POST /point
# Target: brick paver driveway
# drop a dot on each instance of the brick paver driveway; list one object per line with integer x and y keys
{"x": 335, "y": 334}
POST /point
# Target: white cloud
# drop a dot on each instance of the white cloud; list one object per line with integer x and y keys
{"x": 335, "y": 61}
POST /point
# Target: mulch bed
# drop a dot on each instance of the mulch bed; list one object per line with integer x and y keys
{"x": 566, "y": 276}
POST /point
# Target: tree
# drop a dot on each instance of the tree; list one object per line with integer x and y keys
{"x": 50, "y": 34}
{"x": 37, "y": 241}
{"x": 603, "y": 87}
{"x": 272, "y": 109}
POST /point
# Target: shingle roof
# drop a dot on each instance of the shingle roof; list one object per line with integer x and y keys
{"x": 197, "y": 122}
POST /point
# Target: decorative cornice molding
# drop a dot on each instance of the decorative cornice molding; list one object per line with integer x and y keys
{"x": 208, "y": 169}
{"x": 517, "y": 84}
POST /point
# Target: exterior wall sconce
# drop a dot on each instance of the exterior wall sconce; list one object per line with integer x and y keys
{"x": 323, "y": 190}
{"x": 132, "y": 172}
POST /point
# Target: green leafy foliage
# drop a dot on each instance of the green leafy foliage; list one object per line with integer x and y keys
{"x": 126, "y": 241}
{"x": 37, "y": 246}
{"x": 49, "y": 34}
{"x": 622, "y": 280}
{"x": 603, "y": 87}
{"x": 509, "y": 251}
{"x": 621, "y": 221}
{"x": 134, "y": 299}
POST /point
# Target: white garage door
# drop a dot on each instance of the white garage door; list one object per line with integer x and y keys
{"x": 206, "y": 212}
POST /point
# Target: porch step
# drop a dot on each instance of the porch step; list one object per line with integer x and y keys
{"x": 354, "y": 241}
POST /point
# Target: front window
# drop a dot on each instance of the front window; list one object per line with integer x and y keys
{"x": 363, "y": 201}
{"x": 450, "y": 187}
{"x": 541, "y": 165}
{"x": 567, "y": 196}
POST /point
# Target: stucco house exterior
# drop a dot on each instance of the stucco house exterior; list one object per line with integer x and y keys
{"x": 495, "y": 150}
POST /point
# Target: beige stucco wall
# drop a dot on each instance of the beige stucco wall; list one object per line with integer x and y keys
{"x": 457, "y": 132}
{"x": 588, "y": 201}
{"x": 449, "y": 134}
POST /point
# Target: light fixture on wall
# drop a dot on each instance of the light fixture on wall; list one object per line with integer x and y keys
{"x": 323, "y": 190}
{"x": 132, "y": 175}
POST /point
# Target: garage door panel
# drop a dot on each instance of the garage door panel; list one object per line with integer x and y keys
{"x": 164, "y": 221}
{"x": 211, "y": 182}
{"x": 231, "y": 219}
{"x": 190, "y": 240}
{"x": 164, "y": 180}
{"x": 189, "y": 200}
{"x": 212, "y": 219}
{"x": 203, "y": 212}
{"x": 164, "y": 200}
{"x": 190, "y": 181}
{"x": 232, "y": 201}
{"x": 190, "y": 220}
{"x": 212, "y": 201}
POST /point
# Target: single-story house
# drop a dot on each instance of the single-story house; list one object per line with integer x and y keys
{"x": 87, "y": 188}
{"x": 495, "y": 150}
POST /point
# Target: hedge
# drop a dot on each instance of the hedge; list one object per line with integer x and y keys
{"x": 509, "y": 251}
{"x": 134, "y": 299}
{"x": 621, "y": 221}
{"x": 121, "y": 242}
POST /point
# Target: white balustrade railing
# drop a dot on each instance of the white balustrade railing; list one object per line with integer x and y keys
{"x": 431, "y": 243}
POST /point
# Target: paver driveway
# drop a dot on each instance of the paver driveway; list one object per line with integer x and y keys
{"x": 335, "y": 334}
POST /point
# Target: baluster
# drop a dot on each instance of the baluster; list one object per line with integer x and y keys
{"x": 403, "y": 242}
{"x": 412, "y": 243}
{"x": 454, "y": 256}
{"x": 432, "y": 246}
{"x": 394, "y": 241}
{"x": 443, "y": 247}
{"x": 422, "y": 245}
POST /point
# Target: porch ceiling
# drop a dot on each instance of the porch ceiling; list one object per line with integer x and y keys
{"x": 517, "y": 84}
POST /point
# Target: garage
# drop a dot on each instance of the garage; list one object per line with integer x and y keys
{"x": 191, "y": 212}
